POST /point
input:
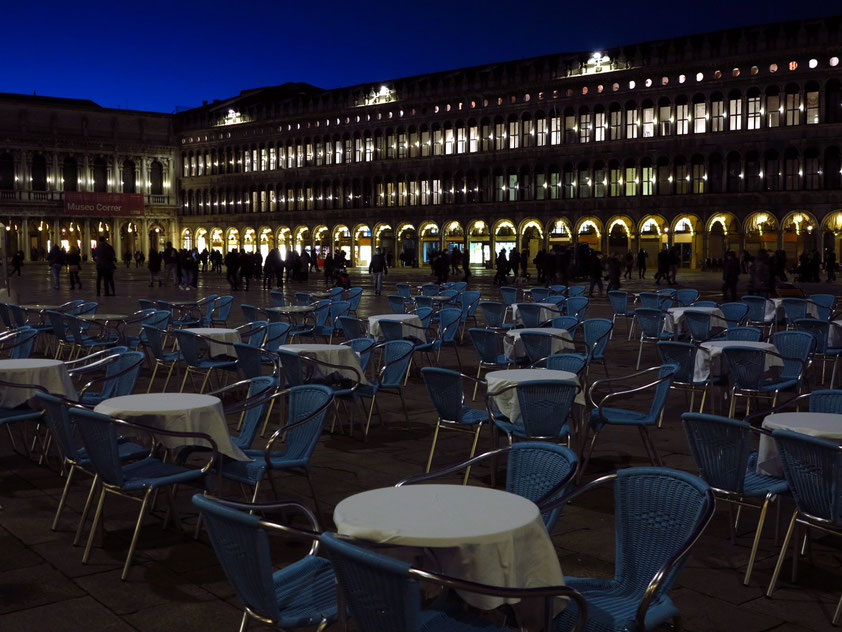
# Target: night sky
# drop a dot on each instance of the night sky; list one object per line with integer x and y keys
{"x": 153, "y": 55}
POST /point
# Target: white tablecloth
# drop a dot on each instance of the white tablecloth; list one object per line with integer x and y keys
{"x": 824, "y": 425}
{"x": 103, "y": 317}
{"x": 221, "y": 335}
{"x": 709, "y": 360}
{"x": 51, "y": 374}
{"x": 333, "y": 354}
{"x": 548, "y": 312}
{"x": 513, "y": 346}
{"x": 834, "y": 334}
{"x": 508, "y": 403}
{"x": 180, "y": 412}
{"x": 410, "y": 319}
{"x": 477, "y": 534}
{"x": 674, "y": 319}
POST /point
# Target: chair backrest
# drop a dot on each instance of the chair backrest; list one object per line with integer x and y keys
{"x": 302, "y": 298}
{"x": 570, "y": 323}
{"x": 746, "y": 365}
{"x": 539, "y": 293}
{"x": 258, "y": 387}
{"x": 307, "y": 400}
{"x": 58, "y": 421}
{"x": 404, "y": 290}
{"x": 425, "y": 315}
{"x": 508, "y": 294}
{"x": 745, "y": 334}
{"x": 99, "y": 437}
{"x": 705, "y": 304}
{"x": 292, "y": 367}
{"x": 321, "y": 313}
{"x": 681, "y": 354}
{"x": 337, "y": 309}
{"x": 255, "y": 332}
{"x": 530, "y": 314}
{"x": 537, "y": 344}
{"x": 449, "y": 320}
{"x": 423, "y": 301}
{"x": 819, "y": 329}
{"x": 220, "y": 308}
{"x": 459, "y": 286}
{"x": 824, "y": 304}
{"x": 545, "y": 406}
{"x": 57, "y": 321}
{"x": 446, "y": 392}
{"x": 734, "y": 313}
{"x": 571, "y": 362}
{"x": 813, "y": 469}
{"x": 577, "y": 306}
{"x": 650, "y": 300}
{"x": 721, "y": 448}
{"x": 698, "y": 324}
{"x": 161, "y": 318}
{"x": 85, "y": 308}
{"x": 276, "y": 335}
{"x": 396, "y": 357}
{"x": 650, "y": 320}
{"x": 74, "y": 328}
{"x": 190, "y": 346}
{"x": 396, "y": 303}
{"x": 363, "y": 346}
{"x": 487, "y": 343}
{"x": 335, "y": 292}
{"x": 391, "y": 329}
{"x": 249, "y": 360}
{"x": 659, "y": 512}
{"x": 537, "y": 468}
{"x": 154, "y": 339}
{"x": 756, "y": 308}
{"x": 492, "y": 313}
{"x": 576, "y": 290}
{"x": 793, "y": 346}
{"x": 352, "y": 327}
{"x": 470, "y": 299}
{"x": 355, "y": 295}
{"x": 20, "y": 343}
{"x": 666, "y": 374}
{"x": 794, "y": 308}
{"x": 379, "y": 592}
{"x": 277, "y": 298}
{"x": 828, "y": 400}
{"x": 250, "y": 312}
{"x": 121, "y": 375}
{"x": 18, "y": 315}
{"x": 619, "y": 301}
{"x": 430, "y": 289}
{"x": 242, "y": 547}
{"x": 686, "y": 296}
{"x": 596, "y": 332}
{"x": 6, "y": 317}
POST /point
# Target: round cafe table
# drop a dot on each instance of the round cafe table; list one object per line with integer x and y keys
{"x": 709, "y": 359}
{"x": 507, "y": 403}
{"x": 823, "y": 425}
{"x": 474, "y": 533}
{"x": 548, "y": 312}
{"x": 410, "y": 319}
{"x": 219, "y": 339}
{"x": 51, "y": 374}
{"x": 513, "y": 347}
{"x": 181, "y": 412}
{"x": 332, "y": 354}
{"x": 674, "y": 319}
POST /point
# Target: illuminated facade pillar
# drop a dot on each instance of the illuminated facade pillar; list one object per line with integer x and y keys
{"x": 24, "y": 232}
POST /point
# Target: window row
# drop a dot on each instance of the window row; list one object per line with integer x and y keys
{"x": 71, "y": 176}
{"x": 734, "y": 173}
{"x": 649, "y": 119}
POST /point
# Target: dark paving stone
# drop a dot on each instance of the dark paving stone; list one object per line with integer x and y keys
{"x": 81, "y": 614}
{"x": 32, "y": 586}
{"x": 187, "y": 617}
{"x": 15, "y": 554}
{"x": 702, "y": 613}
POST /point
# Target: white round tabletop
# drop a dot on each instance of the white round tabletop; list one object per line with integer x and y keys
{"x": 103, "y": 316}
{"x": 433, "y": 515}
{"x": 393, "y": 317}
{"x": 525, "y": 375}
{"x": 724, "y": 344}
{"x": 28, "y": 363}
{"x": 291, "y": 309}
{"x": 155, "y": 403}
{"x": 210, "y": 331}
{"x": 315, "y": 346}
{"x": 826, "y": 425}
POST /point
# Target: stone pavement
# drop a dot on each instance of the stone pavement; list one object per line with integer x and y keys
{"x": 176, "y": 584}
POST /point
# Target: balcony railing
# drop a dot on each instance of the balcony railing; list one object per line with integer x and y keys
{"x": 58, "y": 196}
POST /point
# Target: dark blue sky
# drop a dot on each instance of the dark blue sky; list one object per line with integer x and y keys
{"x": 154, "y": 55}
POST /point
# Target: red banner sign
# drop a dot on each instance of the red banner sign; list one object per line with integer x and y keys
{"x": 83, "y": 204}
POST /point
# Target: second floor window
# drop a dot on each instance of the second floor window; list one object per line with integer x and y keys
{"x": 755, "y": 112}
{"x": 717, "y": 116}
{"x": 682, "y": 119}
{"x": 735, "y": 114}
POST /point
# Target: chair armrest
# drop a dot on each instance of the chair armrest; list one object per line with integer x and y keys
{"x": 173, "y": 433}
{"x": 769, "y": 411}
{"x": 267, "y": 451}
{"x": 103, "y": 378}
{"x": 95, "y": 365}
{"x": 285, "y": 505}
{"x": 630, "y": 391}
{"x": 451, "y": 469}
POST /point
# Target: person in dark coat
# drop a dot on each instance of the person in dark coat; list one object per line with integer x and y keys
{"x": 232, "y": 268}
{"x": 106, "y": 263}
{"x": 154, "y": 266}
{"x": 730, "y": 275}
{"x": 641, "y": 264}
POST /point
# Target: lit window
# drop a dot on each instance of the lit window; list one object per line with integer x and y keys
{"x": 754, "y": 70}
{"x": 814, "y": 63}
{"x": 793, "y": 65}
{"x": 834, "y": 61}
{"x": 631, "y": 85}
{"x": 773, "y": 68}
{"x": 735, "y": 72}
{"x": 682, "y": 78}
{"x": 699, "y": 76}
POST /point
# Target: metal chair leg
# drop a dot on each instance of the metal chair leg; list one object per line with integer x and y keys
{"x": 782, "y": 554}
{"x": 433, "y": 447}
{"x": 756, "y": 542}
{"x": 143, "y": 504}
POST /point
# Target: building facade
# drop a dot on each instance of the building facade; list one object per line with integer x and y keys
{"x": 725, "y": 140}
{"x": 67, "y": 167}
